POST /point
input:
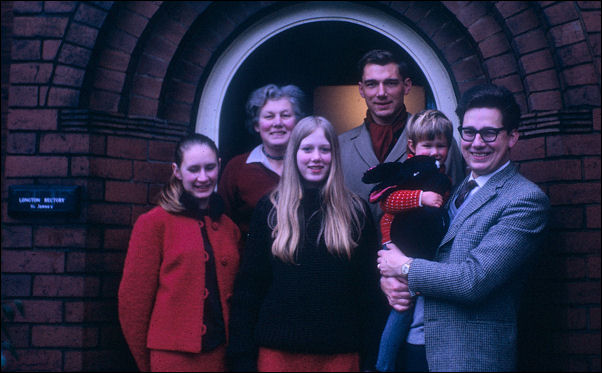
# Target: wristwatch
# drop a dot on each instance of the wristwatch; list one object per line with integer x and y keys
{"x": 405, "y": 268}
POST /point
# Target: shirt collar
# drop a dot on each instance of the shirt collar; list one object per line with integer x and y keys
{"x": 482, "y": 180}
{"x": 257, "y": 156}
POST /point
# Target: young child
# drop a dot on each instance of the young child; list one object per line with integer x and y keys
{"x": 430, "y": 133}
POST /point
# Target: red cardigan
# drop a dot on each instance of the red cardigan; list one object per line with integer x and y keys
{"x": 161, "y": 295}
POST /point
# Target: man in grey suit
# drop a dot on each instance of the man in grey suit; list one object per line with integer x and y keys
{"x": 384, "y": 81}
{"x": 465, "y": 317}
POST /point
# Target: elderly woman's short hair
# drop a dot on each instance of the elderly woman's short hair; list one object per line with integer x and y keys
{"x": 260, "y": 96}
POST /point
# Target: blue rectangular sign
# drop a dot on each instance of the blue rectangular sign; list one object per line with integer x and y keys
{"x": 43, "y": 199}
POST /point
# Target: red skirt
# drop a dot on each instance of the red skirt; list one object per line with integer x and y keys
{"x": 174, "y": 361}
{"x": 279, "y": 361}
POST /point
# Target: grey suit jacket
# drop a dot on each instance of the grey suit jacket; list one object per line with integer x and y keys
{"x": 472, "y": 288}
{"x": 358, "y": 156}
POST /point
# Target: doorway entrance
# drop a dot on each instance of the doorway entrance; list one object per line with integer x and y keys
{"x": 320, "y": 58}
{"x": 315, "y": 45}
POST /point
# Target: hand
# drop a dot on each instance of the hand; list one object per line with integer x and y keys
{"x": 397, "y": 292}
{"x": 431, "y": 199}
{"x": 389, "y": 261}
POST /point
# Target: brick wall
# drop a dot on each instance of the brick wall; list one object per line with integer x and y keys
{"x": 96, "y": 93}
{"x": 7, "y": 24}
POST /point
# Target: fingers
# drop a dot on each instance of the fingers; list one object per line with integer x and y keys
{"x": 404, "y": 302}
{"x": 392, "y": 247}
{"x": 394, "y": 286}
{"x": 386, "y": 272}
{"x": 401, "y": 304}
{"x": 390, "y": 261}
{"x": 400, "y": 308}
{"x": 385, "y": 267}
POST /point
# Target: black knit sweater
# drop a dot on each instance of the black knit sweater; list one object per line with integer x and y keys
{"x": 322, "y": 304}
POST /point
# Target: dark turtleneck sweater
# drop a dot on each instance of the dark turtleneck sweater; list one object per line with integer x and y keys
{"x": 322, "y": 304}
{"x": 213, "y": 314}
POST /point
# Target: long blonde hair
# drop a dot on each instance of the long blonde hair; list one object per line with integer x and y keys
{"x": 341, "y": 208}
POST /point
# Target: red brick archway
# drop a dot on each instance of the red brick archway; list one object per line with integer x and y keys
{"x": 96, "y": 93}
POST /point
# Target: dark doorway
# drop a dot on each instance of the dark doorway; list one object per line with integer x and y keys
{"x": 311, "y": 55}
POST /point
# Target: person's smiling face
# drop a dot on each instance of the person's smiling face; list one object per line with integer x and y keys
{"x": 436, "y": 148}
{"x": 384, "y": 89}
{"x": 314, "y": 157}
{"x": 276, "y": 121}
{"x": 485, "y": 157}
{"x": 198, "y": 172}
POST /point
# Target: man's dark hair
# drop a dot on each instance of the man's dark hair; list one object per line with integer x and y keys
{"x": 382, "y": 57}
{"x": 493, "y": 97}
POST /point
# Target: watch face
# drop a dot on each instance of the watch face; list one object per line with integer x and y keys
{"x": 405, "y": 269}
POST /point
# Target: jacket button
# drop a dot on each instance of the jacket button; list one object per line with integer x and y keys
{"x": 205, "y": 293}
{"x": 214, "y": 225}
{"x": 224, "y": 262}
{"x": 203, "y": 329}
{"x": 201, "y": 224}
{"x": 205, "y": 256}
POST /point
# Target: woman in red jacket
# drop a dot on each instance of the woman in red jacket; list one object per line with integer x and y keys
{"x": 180, "y": 268}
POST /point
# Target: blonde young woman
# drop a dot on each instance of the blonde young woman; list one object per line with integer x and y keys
{"x": 306, "y": 292}
{"x": 180, "y": 269}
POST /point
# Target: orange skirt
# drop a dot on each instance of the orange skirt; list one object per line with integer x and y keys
{"x": 174, "y": 361}
{"x": 279, "y": 361}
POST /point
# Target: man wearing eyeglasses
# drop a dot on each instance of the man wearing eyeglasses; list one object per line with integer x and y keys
{"x": 472, "y": 288}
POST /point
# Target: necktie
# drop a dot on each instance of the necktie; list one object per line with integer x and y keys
{"x": 464, "y": 192}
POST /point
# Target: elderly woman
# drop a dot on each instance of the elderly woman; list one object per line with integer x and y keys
{"x": 272, "y": 112}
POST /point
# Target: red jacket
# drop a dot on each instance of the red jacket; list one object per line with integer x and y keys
{"x": 162, "y": 291}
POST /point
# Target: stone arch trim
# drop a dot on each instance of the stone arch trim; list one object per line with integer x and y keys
{"x": 56, "y": 41}
{"x": 570, "y": 26}
{"x": 526, "y": 46}
{"x": 108, "y": 74}
{"x": 156, "y": 54}
{"x": 136, "y": 53}
{"x": 73, "y": 54}
{"x": 196, "y": 55}
{"x": 151, "y": 58}
{"x": 486, "y": 27}
{"x": 525, "y": 26}
{"x": 229, "y": 61}
{"x": 545, "y": 75}
{"x": 198, "y": 49}
{"x": 449, "y": 36}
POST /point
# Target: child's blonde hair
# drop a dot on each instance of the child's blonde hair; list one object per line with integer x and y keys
{"x": 429, "y": 124}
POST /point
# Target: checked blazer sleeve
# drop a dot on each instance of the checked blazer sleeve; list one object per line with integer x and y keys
{"x": 472, "y": 288}
{"x": 485, "y": 246}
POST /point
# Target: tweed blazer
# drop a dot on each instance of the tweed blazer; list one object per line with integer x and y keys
{"x": 162, "y": 291}
{"x": 358, "y": 156}
{"x": 472, "y": 288}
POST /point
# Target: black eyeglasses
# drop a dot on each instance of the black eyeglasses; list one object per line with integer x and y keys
{"x": 487, "y": 134}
